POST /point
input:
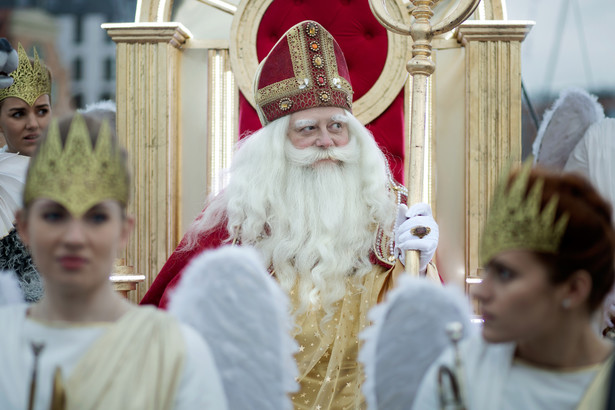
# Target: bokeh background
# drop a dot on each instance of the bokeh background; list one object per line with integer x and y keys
{"x": 571, "y": 45}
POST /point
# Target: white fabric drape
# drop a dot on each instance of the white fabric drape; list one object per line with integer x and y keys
{"x": 594, "y": 157}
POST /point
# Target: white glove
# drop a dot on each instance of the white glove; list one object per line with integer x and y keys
{"x": 419, "y": 215}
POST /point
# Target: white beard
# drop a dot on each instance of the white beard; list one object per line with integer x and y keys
{"x": 321, "y": 231}
{"x": 315, "y": 224}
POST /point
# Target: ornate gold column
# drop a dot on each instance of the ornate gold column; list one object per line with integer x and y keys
{"x": 493, "y": 117}
{"x": 421, "y": 67}
{"x": 222, "y": 118}
{"x": 148, "y": 58}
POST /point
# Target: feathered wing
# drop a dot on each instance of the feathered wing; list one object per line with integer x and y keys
{"x": 12, "y": 179}
{"x": 407, "y": 335}
{"x": 563, "y": 126}
{"x": 594, "y": 157}
{"x": 10, "y": 292}
{"x": 239, "y": 309}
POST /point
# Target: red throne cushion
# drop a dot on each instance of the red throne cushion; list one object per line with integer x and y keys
{"x": 364, "y": 43}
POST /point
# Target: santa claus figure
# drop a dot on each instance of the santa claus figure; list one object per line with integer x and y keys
{"x": 312, "y": 192}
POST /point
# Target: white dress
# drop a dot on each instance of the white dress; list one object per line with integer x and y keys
{"x": 494, "y": 379}
{"x": 119, "y": 374}
{"x": 13, "y": 254}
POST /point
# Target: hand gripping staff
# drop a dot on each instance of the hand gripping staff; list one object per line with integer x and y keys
{"x": 420, "y": 67}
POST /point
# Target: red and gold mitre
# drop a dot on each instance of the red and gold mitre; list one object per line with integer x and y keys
{"x": 305, "y": 69}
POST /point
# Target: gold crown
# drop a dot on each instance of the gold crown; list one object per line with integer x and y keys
{"x": 516, "y": 221}
{"x": 77, "y": 176}
{"x": 31, "y": 80}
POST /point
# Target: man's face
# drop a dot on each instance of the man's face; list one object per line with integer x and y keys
{"x": 322, "y": 127}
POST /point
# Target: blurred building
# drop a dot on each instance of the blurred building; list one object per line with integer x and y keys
{"x": 90, "y": 57}
{"x": 68, "y": 37}
{"x": 35, "y": 28}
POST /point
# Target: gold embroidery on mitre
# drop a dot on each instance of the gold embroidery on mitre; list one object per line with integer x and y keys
{"x": 298, "y": 56}
{"x": 30, "y": 80}
{"x": 77, "y": 176}
{"x": 516, "y": 221}
{"x": 311, "y": 50}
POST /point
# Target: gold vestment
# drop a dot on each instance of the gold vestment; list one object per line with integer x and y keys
{"x": 329, "y": 374}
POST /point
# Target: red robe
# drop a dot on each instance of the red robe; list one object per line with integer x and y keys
{"x": 169, "y": 276}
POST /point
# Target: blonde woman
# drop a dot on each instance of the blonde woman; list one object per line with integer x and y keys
{"x": 25, "y": 112}
{"x": 82, "y": 346}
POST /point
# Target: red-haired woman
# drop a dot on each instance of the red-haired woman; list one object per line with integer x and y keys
{"x": 548, "y": 250}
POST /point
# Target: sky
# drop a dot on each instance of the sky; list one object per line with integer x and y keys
{"x": 586, "y": 37}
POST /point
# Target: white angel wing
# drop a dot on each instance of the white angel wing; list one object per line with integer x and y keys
{"x": 407, "y": 336}
{"x": 239, "y": 309}
{"x": 13, "y": 169}
{"x": 563, "y": 126}
{"x": 10, "y": 292}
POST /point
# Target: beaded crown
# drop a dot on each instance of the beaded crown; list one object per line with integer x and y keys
{"x": 78, "y": 176}
{"x": 516, "y": 221}
{"x": 31, "y": 80}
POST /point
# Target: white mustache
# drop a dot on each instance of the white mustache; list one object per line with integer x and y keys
{"x": 348, "y": 154}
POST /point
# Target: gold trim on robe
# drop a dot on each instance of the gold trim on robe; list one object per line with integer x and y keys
{"x": 330, "y": 375}
{"x": 136, "y": 363}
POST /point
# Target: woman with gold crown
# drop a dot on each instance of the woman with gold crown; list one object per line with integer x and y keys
{"x": 547, "y": 249}
{"x": 25, "y": 112}
{"x": 82, "y": 346}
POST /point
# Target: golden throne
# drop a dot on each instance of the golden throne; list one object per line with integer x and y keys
{"x": 184, "y": 73}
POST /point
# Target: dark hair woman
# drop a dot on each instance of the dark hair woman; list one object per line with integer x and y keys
{"x": 25, "y": 112}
